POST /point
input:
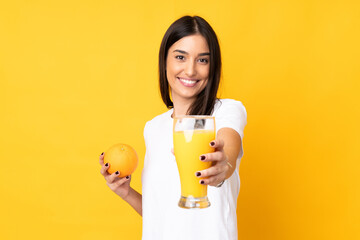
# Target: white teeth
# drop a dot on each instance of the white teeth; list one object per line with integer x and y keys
{"x": 187, "y": 81}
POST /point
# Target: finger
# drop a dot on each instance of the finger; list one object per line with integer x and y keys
{"x": 211, "y": 171}
{"x": 211, "y": 157}
{"x": 123, "y": 180}
{"x": 172, "y": 151}
{"x": 217, "y": 143}
{"x": 112, "y": 177}
{"x": 104, "y": 169}
{"x": 101, "y": 159}
{"x": 212, "y": 181}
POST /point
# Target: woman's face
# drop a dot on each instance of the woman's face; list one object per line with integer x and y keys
{"x": 187, "y": 67}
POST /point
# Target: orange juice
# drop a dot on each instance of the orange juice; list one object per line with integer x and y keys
{"x": 188, "y": 146}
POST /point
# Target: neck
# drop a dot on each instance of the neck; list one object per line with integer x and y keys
{"x": 181, "y": 106}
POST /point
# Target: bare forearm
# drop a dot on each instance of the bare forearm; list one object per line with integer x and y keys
{"x": 135, "y": 200}
{"x": 232, "y": 146}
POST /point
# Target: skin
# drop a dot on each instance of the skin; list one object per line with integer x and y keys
{"x": 187, "y": 59}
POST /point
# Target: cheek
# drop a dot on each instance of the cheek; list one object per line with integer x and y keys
{"x": 208, "y": 69}
{"x": 204, "y": 85}
{"x": 173, "y": 68}
{"x": 170, "y": 76}
{"x": 203, "y": 71}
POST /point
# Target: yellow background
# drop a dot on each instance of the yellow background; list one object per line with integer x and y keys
{"x": 79, "y": 76}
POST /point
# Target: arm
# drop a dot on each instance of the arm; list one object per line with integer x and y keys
{"x": 231, "y": 147}
{"x": 227, "y": 147}
{"x": 121, "y": 186}
{"x": 135, "y": 200}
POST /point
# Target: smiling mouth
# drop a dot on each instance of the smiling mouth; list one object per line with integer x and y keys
{"x": 187, "y": 82}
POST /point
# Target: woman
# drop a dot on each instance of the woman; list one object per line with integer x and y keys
{"x": 189, "y": 72}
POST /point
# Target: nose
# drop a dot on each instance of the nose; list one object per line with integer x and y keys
{"x": 190, "y": 69}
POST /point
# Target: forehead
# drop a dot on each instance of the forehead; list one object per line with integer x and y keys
{"x": 191, "y": 44}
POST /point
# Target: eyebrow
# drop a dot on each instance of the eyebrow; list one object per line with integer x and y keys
{"x": 184, "y": 52}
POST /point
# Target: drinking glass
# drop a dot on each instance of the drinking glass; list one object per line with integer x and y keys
{"x": 192, "y": 136}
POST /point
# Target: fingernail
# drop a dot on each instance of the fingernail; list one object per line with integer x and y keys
{"x": 102, "y": 153}
{"x": 212, "y": 143}
{"x": 106, "y": 164}
{"x": 127, "y": 177}
{"x": 202, "y": 182}
{"x": 198, "y": 174}
{"x": 202, "y": 157}
{"x": 117, "y": 172}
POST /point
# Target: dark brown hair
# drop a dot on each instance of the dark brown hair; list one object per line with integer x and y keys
{"x": 186, "y": 26}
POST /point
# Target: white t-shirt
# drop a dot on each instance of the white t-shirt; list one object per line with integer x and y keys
{"x": 163, "y": 219}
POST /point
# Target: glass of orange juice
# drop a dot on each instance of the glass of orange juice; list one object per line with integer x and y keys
{"x": 192, "y": 136}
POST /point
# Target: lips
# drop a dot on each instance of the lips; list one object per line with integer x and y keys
{"x": 187, "y": 82}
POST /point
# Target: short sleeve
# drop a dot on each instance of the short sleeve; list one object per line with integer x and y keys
{"x": 145, "y": 132}
{"x": 231, "y": 114}
{"x": 146, "y": 158}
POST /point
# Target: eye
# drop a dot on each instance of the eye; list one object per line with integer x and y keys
{"x": 180, "y": 57}
{"x": 203, "y": 60}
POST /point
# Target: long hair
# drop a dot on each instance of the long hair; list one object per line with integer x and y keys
{"x": 186, "y": 26}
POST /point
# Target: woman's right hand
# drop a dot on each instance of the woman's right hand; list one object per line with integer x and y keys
{"x": 120, "y": 186}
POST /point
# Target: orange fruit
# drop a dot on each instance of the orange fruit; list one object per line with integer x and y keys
{"x": 122, "y": 158}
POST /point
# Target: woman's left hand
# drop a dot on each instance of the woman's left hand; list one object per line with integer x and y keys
{"x": 217, "y": 173}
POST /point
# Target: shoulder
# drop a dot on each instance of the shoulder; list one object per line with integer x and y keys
{"x": 223, "y": 106}
{"x": 230, "y": 113}
{"x": 159, "y": 120}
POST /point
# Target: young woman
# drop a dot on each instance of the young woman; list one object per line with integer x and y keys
{"x": 189, "y": 74}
